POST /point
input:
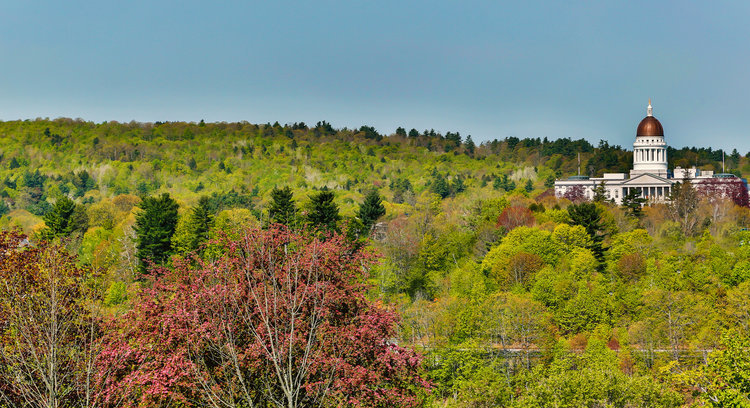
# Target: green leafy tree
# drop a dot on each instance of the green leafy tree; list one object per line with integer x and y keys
{"x": 728, "y": 372}
{"x": 282, "y": 209}
{"x": 323, "y": 212}
{"x": 462, "y": 374}
{"x": 371, "y": 209}
{"x": 51, "y": 326}
{"x": 154, "y": 227}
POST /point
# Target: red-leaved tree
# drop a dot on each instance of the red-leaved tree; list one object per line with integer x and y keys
{"x": 515, "y": 216}
{"x": 716, "y": 189}
{"x": 576, "y": 194}
{"x": 276, "y": 318}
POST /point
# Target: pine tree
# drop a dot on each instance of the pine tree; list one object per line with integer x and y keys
{"x": 549, "y": 182}
{"x": 440, "y": 185}
{"x": 154, "y": 227}
{"x": 589, "y": 216}
{"x": 371, "y": 209}
{"x": 469, "y": 145}
{"x": 600, "y": 193}
{"x": 65, "y": 218}
{"x": 57, "y": 219}
{"x": 282, "y": 209}
{"x": 323, "y": 213}
{"x": 511, "y": 185}
{"x": 633, "y": 203}
{"x": 457, "y": 186}
{"x": 529, "y": 187}
{"x": 201, "y": 222}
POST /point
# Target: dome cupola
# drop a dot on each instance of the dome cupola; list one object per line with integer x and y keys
{"x": 649, "y": 149}
{"x": 649, "y": 126}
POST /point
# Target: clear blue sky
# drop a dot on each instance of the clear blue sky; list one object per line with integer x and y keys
{"x": 490, "y": 69}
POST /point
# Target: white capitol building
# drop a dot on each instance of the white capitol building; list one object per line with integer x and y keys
{"x": 649, "y": 176}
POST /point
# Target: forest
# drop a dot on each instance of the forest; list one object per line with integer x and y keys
{"x": 176, "y": 264}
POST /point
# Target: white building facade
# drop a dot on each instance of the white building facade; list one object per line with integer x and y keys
{"x": 649, "y": 176}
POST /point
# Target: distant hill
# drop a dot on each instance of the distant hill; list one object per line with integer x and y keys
{"x": 42, "y": 159}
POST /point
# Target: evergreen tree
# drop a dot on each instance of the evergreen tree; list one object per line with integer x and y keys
{"x": 504, "y": 183}
{"x": 457, "y": 186}
{"x": 34, "y": 180}
{"x": 549, "y": 182}
{"x": 201, "y": 221}
{"x": 4, "y": 208}
{"x": 65, "y": 218}
{"x": 633, "y": 203}
{"x": 600, "y": 193}
{"x": 154, "y": 227}
{"x": 282, "y": 209}
{"x": 589, "y": 216}
{"x": 323, "y": 212}
{"x": 529, "y": 187}
{"x": 371, "y": 209}
{"x": 400, "y": 186}
{"x": 440, "y": 185}
{"x": 469, "y": 145}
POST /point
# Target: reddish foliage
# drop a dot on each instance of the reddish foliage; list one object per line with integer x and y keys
{"x": 545, "y": 195}
{"x": 275, "y": 312}
{"x": 627, "y": 365}
{"x": 724, "y": 188}
{"x": 515, "y": 216}
{"x": 576, "y": 194}
{"x": 579, "y": 342}
{"x": 631, "y": 266}
{"x": 613, "y": 344}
